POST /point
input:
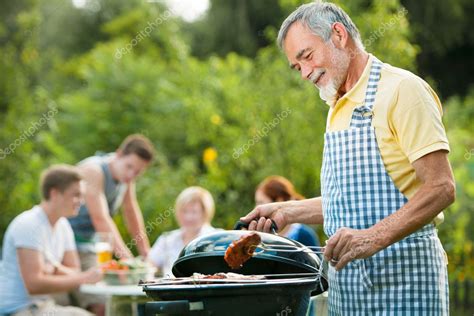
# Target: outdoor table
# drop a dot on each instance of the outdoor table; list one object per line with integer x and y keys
{"x": 117, "y": 295}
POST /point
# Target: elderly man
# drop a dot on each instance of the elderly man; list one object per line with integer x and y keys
{"x": 385, "y": 177}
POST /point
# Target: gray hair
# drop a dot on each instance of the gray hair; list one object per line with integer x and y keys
{"x": 319, "y": 17}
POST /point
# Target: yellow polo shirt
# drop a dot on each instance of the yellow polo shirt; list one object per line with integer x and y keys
{"x": 407, "y": 120}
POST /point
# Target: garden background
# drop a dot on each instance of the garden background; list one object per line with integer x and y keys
{"x": 215, "y": 96}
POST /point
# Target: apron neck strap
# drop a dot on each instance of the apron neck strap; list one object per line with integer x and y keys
{"x": 373, "y": 83}
{"x": 362, "y": 115}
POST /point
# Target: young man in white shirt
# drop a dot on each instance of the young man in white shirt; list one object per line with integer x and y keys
{"x": 39, "y": 252}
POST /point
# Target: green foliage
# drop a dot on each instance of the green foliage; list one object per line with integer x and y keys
{"x": 456, "y": 232}
{"x": 244, "y": 21}
{"x": 443, "y": 30}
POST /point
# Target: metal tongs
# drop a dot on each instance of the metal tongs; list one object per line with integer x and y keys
{"x": 283, "y": 248}
{"x": 323, "y": 267}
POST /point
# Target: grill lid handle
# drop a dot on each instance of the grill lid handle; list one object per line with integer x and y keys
{"x": 239, "y": 225}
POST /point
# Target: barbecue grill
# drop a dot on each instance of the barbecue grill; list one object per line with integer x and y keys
{"x": 291, "y": 277}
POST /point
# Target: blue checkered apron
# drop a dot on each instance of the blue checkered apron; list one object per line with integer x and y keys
{"x": 410, "y": 276}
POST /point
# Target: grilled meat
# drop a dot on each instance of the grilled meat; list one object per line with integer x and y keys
{"x": 241, "y": 250}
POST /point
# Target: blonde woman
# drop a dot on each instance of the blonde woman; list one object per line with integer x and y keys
{"x": 194, "y": 210}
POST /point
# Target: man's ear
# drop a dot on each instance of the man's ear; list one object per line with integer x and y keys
{"x": 339, "y": 35}
{"x": 53, "y": 194}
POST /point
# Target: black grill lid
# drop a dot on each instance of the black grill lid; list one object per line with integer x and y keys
{"x": 206, "y": 255}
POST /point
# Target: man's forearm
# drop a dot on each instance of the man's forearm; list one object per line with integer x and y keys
{"x": 308, "y": 211}
{"x": 47, "y": 284}
{"x": 63, "y": 270}
{"x": 143, "y": 245}
{"x": 136, "y": 228}
{"x": 420, "y": 210}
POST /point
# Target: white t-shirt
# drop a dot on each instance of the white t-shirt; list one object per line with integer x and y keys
{"x": 31, "y": 230}
{"x": 167, "y": 247}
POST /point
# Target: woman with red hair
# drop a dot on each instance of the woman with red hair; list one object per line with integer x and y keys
{"x": 279, "y": 189}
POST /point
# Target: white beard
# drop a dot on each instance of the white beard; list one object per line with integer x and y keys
{"x": 328, "y": 93}
{"x": 340, "y": 61}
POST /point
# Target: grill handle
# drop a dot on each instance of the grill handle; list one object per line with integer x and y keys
{"x": 239, "y": 225}
{"x": 170, "y": 308}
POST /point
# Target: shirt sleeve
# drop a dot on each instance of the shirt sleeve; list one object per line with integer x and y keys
{"x": 25, "y": 235}
{"x": 416, "y": 120}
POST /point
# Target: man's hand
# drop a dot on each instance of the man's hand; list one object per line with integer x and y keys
{"x": 92, "y": 275}
{"x": 348, "y": 244}
{"x": 307, "y": 211}
{"x": 261, "y": 217}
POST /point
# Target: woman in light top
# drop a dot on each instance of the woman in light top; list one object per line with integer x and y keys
{"x": 194, "y": 210}
{"x": 279, "y": 189}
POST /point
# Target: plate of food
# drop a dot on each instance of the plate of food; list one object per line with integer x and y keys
{"x": 127, "y": 271}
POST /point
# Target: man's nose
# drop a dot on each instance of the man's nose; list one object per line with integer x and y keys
{"x": 306, "y": 72}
